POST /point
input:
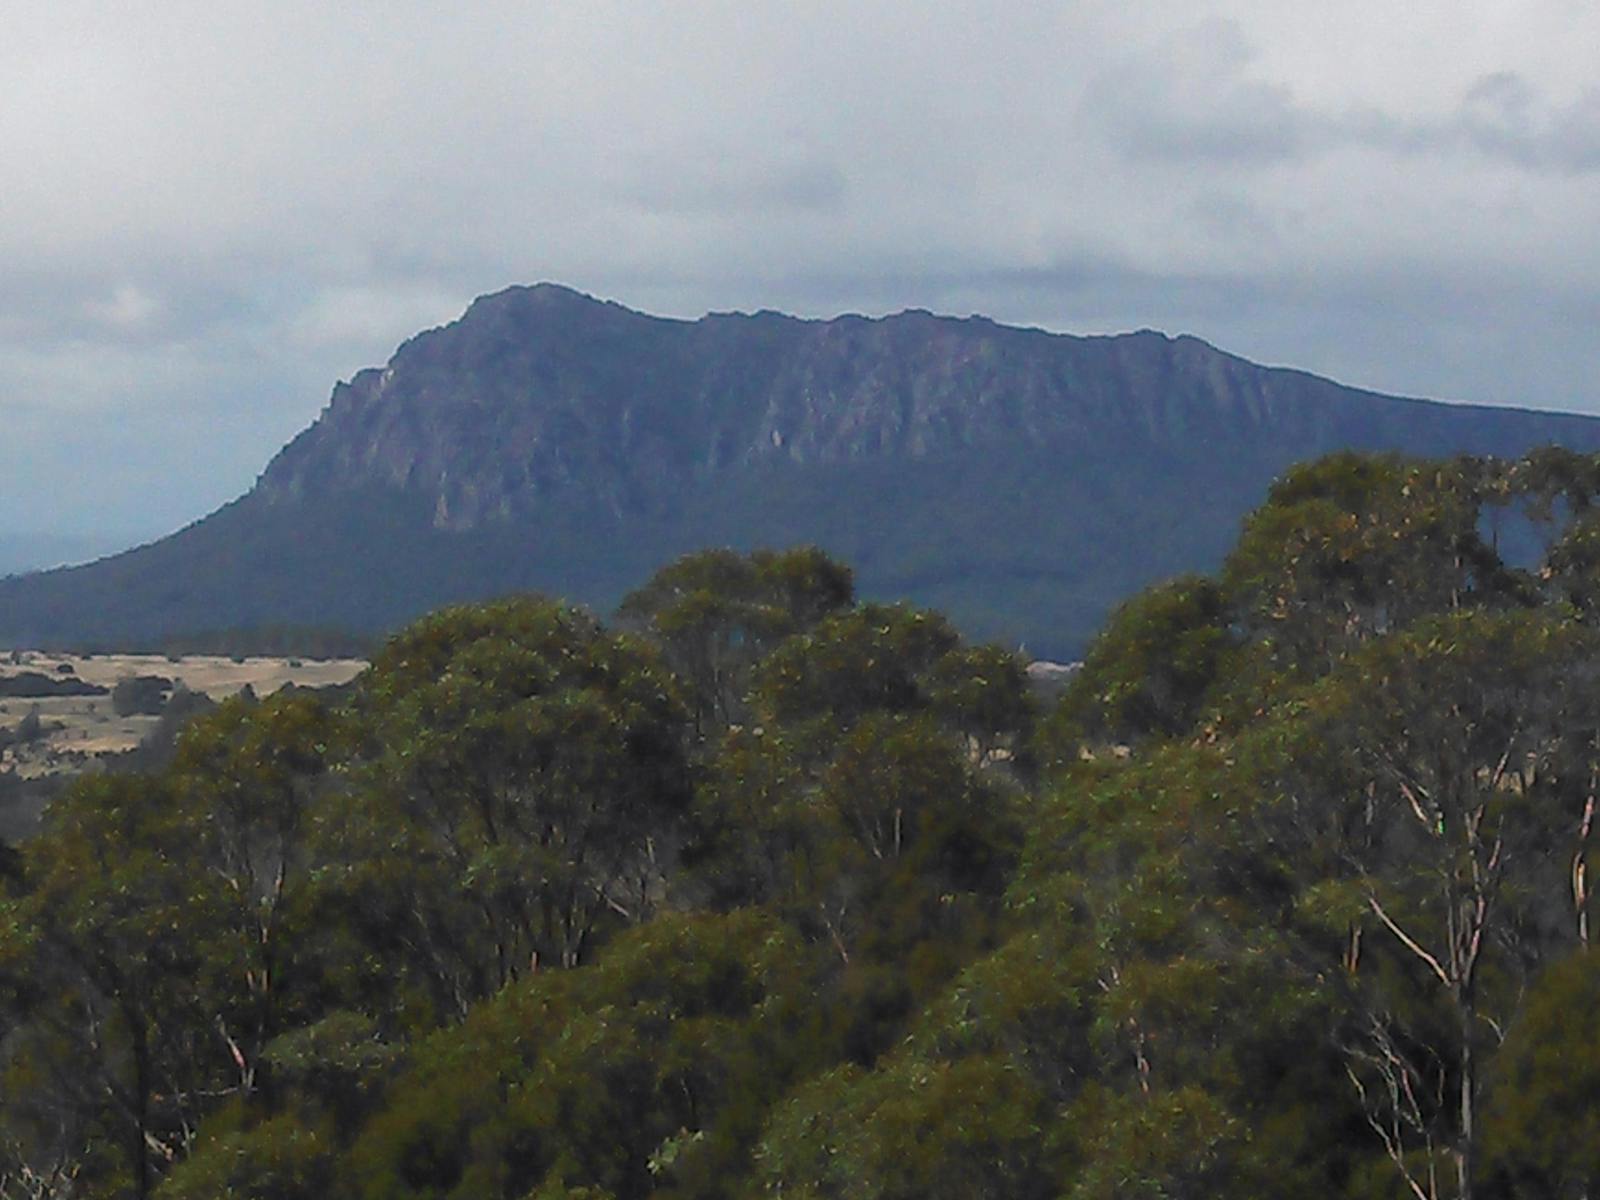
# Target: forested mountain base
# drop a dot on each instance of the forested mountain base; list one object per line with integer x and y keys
{"x": 772, "y": 893}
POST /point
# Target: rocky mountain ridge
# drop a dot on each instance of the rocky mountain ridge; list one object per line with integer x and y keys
{"x": 539, "y": 390}
{"x": 1023, "y": 480}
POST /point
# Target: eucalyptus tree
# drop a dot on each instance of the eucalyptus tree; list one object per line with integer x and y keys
{"x": 111, "y": 1064}
{"x": 717, "y": 613}
{"x": 1436, "y": 796}
{"x": 518, "y": 789}
{"x": 246, "y": 782}
{"x": 864, "y": 769}
{"x": 1150, "y": 671}
{"x": 1351, "y": 547}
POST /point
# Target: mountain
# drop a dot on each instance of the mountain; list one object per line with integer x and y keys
{"x": 21, "y": 552}
{"x": 1023, "y": 481}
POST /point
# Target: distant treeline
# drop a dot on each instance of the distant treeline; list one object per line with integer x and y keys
{"x": 762, "y": 891}
{"x": 266, "y": 641}
{"x": 37, "y": 685}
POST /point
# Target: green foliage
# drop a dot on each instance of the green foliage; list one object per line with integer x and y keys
{"x": 1542, "y": 1121}
{"x": 717, "y": 613}
{"x": 1351, "y": 547}
{"x": 974, "y": 1127}
{"x": 641, "y": 1071}
{"x": 99, "y": 949}
{"x": 247, "y": 777}
{"x": 768, "y": 898}
{"x": 893, "y": 659}
{"x": 518, "y": 792}
{"x": 872, "y": 658}
{"x": 278, "y": 1159}
{"x": 1180, "y": 1143}
{"x": 1149, "y": 672}
{"x": 1572, "y": 570}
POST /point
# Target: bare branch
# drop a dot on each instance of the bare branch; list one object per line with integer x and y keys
{"x": 1409, "y": 942}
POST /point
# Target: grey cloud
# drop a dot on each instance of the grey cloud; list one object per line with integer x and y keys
{"x": 216, "y": 211}
{"x": 1190, "y": 97}
{"x": 1504, "y": 116}
{"x": 764, "y": 174}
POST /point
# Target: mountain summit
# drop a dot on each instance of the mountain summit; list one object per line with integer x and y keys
{"x": 1022, "y": 480}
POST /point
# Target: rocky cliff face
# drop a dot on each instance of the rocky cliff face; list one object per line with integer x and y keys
{"x": 540, "y": 392}
{"x": 1022, "y": 481}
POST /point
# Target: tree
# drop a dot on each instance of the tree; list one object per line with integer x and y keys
{"x": 279, "y": 1159}
{"x": 1440, "y": 759}
{"x": 862, "y": 803}
{"x": 30, "y": 728}
{"x": 875, "y": 658}
{"x": 717, "y": 613}
{"x": 519, "y": 788}
{"x": 1202, "y": 1051}
{"x": 246, "y": 779}
{"x": 1149, "y": 671}
{"x": 99, "y": 949}
{"x": 1542, "y": 1118}
{"x": 643, "y": 1072}
{"x": 915, "y": 1129}
{"x": 136, "y": 695}
{"x": 1351, "y": 547}
{"x": 894, "y": 659}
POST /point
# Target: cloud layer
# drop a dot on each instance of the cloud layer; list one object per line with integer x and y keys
{"x": 212, "y": 211}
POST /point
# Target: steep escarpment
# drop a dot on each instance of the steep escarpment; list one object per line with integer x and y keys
{"x": 1022, "y": 480}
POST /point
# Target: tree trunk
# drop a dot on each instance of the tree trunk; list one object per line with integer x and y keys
{"x": 1467, "y": 1133}
{"x": 141, "y": 1117}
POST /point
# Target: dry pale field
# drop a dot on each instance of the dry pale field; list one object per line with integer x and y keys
{"x": 80, "y": 728}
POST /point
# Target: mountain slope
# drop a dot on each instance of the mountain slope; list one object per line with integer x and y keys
{"x": 1022, "y": 480}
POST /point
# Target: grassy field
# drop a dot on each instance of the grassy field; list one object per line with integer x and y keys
{"x": 77, "y": 730}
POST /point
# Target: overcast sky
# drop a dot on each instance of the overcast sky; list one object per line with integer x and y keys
{"x": 210, "y": 212}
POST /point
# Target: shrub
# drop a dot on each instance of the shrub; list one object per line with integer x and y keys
{"x": 140, "y": 694}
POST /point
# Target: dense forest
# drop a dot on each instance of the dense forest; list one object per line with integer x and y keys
{"x": 762, "y": 891}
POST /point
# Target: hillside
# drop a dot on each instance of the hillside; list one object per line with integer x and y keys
{"x": 1020, "y": 480}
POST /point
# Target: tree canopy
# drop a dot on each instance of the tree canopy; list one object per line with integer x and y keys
{"x": 774, "y": 892}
